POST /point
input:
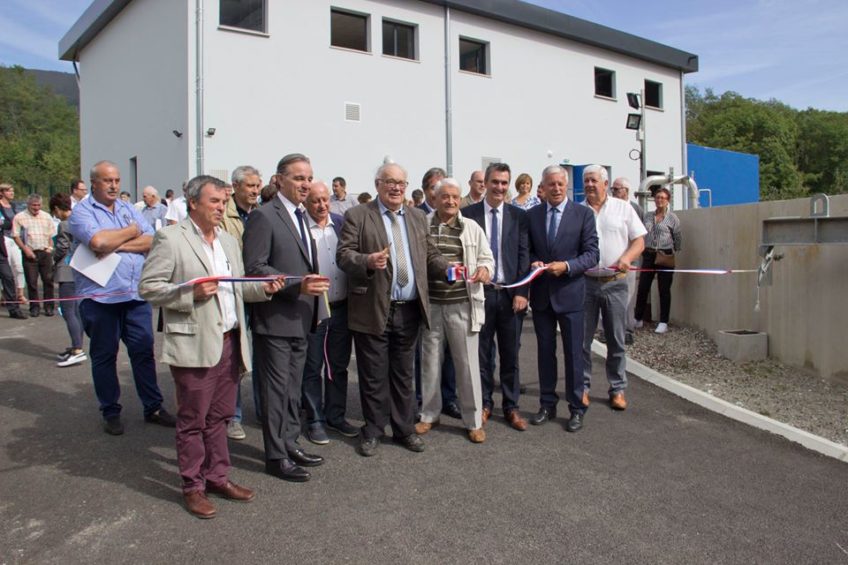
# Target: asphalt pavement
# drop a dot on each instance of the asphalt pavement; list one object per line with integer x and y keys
{"x": 664, "y": 482}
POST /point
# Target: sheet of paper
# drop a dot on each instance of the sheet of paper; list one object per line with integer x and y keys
{"x": 87, "y": 263}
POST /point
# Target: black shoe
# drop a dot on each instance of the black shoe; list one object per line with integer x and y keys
{"x": 542, "y": 416}
{"x": 113, "y": 426}
{"x": 161, "y": 417}
{"x": 602, "y": 337}
{"x": 368, "y": 446}
{"x": 575, "y": 423}
{"x": 305, "y": 459}
{"x": 344, "y": 427}
{"x": 49, "y": 313}
{"x": 452, "y": 410}
{"x": 34, "y": 313}
{"x": 285, "y": 469}
{"x": 522, "y": 389}
{"x": 628, "y": 338}
{"x": 17, "y": 315}
{"x": 412, "y": 442}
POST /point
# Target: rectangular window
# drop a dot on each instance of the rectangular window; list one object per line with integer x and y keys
{"x": 244, "y": 14}
{"x": 349, "y": 30}
{"x": 473, "y": 56}
{"x": 653, "y": 94}
{"x": 399, "y": 40}
{"x": 604, "y": 82}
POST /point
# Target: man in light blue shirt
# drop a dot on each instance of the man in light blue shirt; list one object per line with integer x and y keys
{"x": 115, "y": 312}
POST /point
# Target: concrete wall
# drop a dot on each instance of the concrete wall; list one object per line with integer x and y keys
{"x": 804, "y": 311}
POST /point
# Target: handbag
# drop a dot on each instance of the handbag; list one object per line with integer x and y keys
{"x": 664, "y": 259}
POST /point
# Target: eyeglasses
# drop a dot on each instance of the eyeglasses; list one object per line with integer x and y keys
{"x": 392, "y": 183}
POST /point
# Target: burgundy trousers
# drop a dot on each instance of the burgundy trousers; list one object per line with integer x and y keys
{"x": 206, "y": 399}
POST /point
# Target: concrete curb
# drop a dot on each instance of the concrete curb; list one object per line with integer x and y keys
{"x": 710, "y": 402}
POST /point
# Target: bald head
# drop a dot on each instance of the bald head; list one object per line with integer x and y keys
{"x": 318, "y": 202}
{"x": 621, "y": 188}
{"x": 150, "y": 196}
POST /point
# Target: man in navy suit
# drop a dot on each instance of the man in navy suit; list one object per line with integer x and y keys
{"x": 506, "y": 228}
{"x": 326, "y": 405}
{"x": 563, "y": 237}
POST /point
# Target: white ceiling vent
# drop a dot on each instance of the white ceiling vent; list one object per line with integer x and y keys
{"x": 353, "y": 112}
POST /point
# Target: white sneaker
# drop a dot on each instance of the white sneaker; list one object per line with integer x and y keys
{"x": 661, "y": 328}
{"x": 73, "y": 359}
{"x": 235, "y": 431}
{"x": 639, "y": 324}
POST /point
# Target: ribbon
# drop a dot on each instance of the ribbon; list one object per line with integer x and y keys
{"x": 532, "y": 275}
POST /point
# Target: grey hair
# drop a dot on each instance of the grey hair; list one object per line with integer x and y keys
{"x": 447, "y": 181}
{"x": 283, "y": 164}
{"x": 92, "y": 174}
{"x": 554, "y": 170}
{"x": 33, "y": 198}
{"x": 152, "y": 188}
{"x": 625, "y": 182}
{"x": 195, "y": 186}
{"x": 240, "y": 172}
{"x": 385, "y": 166}
{"x": 602, "y": 172}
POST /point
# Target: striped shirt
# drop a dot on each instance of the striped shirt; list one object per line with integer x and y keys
{"x": 446, "y": 238}
{"x": 665, "y": 235}
{"x": 39, "y": 229}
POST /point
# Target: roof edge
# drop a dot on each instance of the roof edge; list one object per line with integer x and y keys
{"x": 95, "y": 18}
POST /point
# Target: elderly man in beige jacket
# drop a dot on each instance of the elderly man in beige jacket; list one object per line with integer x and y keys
{"x": 457, "y": 312}
{"x": 205, "y": 340}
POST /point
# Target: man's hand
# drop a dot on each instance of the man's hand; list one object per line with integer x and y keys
{"x": 536, "y": 265}
{"x": 623, "y": 265}
{"x": 30, "y": 254}
{"x": 205, "y": 290}
{"x": 519, "y": 304}
{"x": 314, "y": 285}
{"x": 481, "y": 275}
{"x": 273, "y": 287}
{"x": 378, "y": 260}
{"x": 557, "y": 268}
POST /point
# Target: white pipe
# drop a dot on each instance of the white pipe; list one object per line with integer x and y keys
{"x": 198, "y": 93}
{"x": 645, "y": 185}
{"x": 448, "y": 98}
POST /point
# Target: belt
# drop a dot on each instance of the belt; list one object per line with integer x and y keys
{"x": 338, "y": 303}
{"x": 231, "y": 334}
{"x": 658, "y": 250}
{"x": 602, "y": 280}
{"x": 395, "y": 303}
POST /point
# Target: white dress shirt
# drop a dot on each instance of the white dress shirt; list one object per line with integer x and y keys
{"x": 499, "y": 276}
{"x": 326, "y": 243}
{"x": 221, "y": 267}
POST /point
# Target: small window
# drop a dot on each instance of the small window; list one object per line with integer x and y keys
{"x": 399, "y": 40}
{"x": 604, "y": 82}
{"x": 653, "y": 94}
{"x": 244, "y": 14}
{"x": 349, "y": 30}
{"x": 473, "y": 56}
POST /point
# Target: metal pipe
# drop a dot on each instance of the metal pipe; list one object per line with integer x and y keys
{"x": 198, "y": 92}
{"x": 643, "y": 192}
{"x": 448, "y": 98}
{"x": 683, "y": 147}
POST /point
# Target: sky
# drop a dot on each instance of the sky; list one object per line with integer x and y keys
{"x": 795, "y": 51}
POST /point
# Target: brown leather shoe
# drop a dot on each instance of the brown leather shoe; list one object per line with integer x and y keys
{"x": 477, "y": 435}
{"x": 197, "y": 503}
{"x": 516, "y": 421}
{"x": 617, "y": 401}
{"x": 422, "y": 428}
{"x": 232, "y": 491}
{"x": 487, "y": 413}
{"x": 586, "y": 398}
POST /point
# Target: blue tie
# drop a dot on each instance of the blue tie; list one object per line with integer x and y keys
{"x": 494, "y": 240}
{"x": 299, "y": 213}
{"x": 552, "y": 227}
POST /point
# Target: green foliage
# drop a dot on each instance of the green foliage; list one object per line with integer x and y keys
{"x": 801, "y": 153}
{"x": 39, "y": 135}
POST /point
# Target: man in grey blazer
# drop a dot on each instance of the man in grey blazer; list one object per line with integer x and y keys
{"x": 276, "y": 242}
{"x": 205, "y": 341}
{"x": 387, "y": 255}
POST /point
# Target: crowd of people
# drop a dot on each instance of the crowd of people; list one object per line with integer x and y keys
{"x": 431, "y": 295}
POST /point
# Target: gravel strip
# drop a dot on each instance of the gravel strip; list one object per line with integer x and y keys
{"x": 787, "y": 394}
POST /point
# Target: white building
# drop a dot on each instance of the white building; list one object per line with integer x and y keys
{"x": 170, "y": 88}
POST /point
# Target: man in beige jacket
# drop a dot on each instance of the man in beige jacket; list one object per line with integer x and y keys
{"x": 205, "y": 340}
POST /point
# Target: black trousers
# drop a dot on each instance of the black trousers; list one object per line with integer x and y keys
{"x": 8, "y": 281}
{"x": 503, "y": 323}
{"x": 646, "y": 279}
{"x": 42, "y": 266}
{"x": 384, "y": 363}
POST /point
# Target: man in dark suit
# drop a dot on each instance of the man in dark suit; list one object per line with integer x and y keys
{"x": 506, "y": 228}
{"x": 277, "y": 241}
{"x": 563, "y": 237}
{"x": 387, "y": 255}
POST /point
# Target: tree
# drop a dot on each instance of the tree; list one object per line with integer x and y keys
{"x": 39, "y": 134}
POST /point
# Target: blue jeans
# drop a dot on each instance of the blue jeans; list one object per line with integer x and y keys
{"x": 107, "y": 325}
{"x": 327, "y": 401}
{"x": 70, "y": 312}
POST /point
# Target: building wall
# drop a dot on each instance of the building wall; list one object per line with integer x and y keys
{"x": 134, "y": 92}
{"x": 803, "y": 311}
{"x": 732, "y": 177}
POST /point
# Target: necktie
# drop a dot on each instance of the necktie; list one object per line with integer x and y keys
{"x": 400, "y": 252}
{"x": 494, "y": 242}
{"x": 299, "y": 213}
{"x": 552, "y": 227}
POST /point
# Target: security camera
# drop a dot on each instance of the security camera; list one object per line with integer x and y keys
{"x": 177, "y": 133}
{"x": 210, "y": 132}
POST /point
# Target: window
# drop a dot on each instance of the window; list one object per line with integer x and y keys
{"x": 473, "y": 56}
{"x": 653, "y": 94}
{"x": 604, "y": 82}
{"x": 244, "y": 14}
{"x": 399, "y": 40}
{"x": 349, "y": 30}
